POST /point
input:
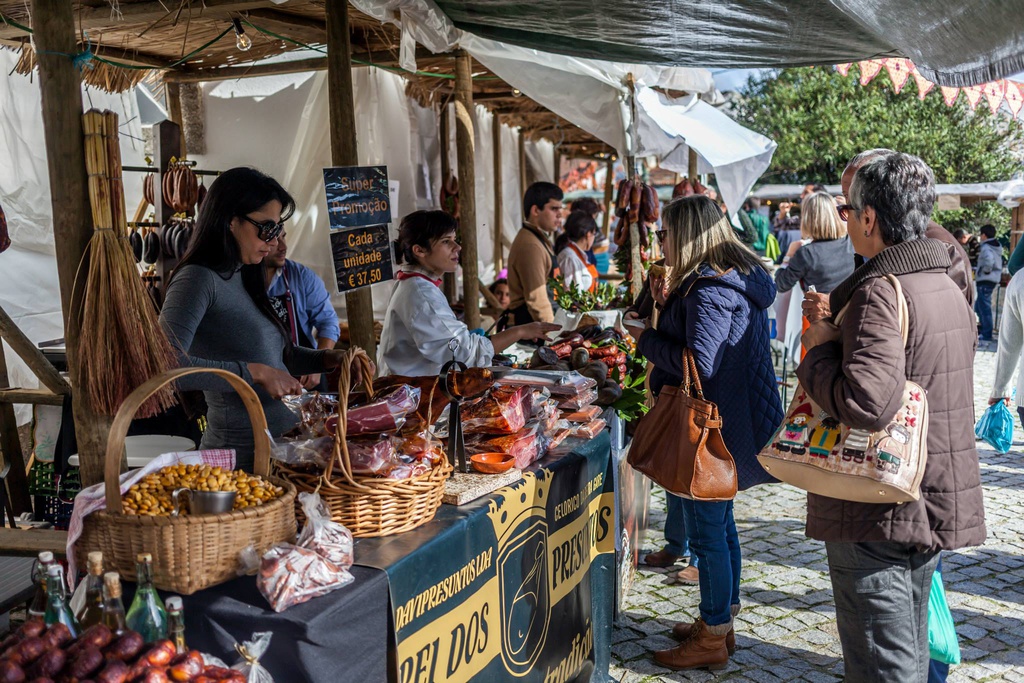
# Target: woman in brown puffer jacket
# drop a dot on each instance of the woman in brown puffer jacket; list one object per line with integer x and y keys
{"x": 881, "y": 557}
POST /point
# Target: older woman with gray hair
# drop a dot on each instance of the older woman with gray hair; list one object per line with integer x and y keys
{"x": 881, "y": 556}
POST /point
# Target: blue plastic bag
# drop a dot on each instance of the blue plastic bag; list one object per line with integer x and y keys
{"x": 942, "y": 641}
{"x": 996, "y": 427}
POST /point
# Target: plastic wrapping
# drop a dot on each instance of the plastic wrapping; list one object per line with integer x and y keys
{"x": 584, "y": 414}
{"x": 323, "y": 535}
{"x": 524, "y": 445}
{"x": 558, "y": 383}
{"x": 384, "y": 415}
{"x": 580, "y": 401}
{"x": 371, "y": 455}
{"x": 313, "y": 410}
{"x": 315, "y": 452}
{"x": 996, "y": 427}
{"x": 588, "y": 430}
{"x": 251, "y": 651}
{"x": 501, "y": 412}
{"x": 421, "y": 446}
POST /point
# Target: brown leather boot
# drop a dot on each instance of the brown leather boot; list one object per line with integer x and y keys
{"x": 704, "y": 649}
{"x": 661, "y": 558}
{"x": 682, "y": 631}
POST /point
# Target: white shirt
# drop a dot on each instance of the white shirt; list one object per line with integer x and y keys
{"x": 574, "y": 269}
{"x": 1011, "y": 340}
{"x": 418, "y": 325}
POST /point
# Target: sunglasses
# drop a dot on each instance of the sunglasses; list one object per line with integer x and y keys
{"x": 662, "y": 235}
{"x": 844, "y": 211}
{"x": 268, "y": 230}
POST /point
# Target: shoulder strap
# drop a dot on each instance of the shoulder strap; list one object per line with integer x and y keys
{"x": 902, "y": 310}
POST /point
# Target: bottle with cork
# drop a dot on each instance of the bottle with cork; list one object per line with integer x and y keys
{"x": 91, "y": 612}
{"x": 113, "y": 606}
{"x": 176, "y": 623}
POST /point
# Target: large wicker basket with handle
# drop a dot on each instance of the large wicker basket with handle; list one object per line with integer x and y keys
{"x": 190, "y": 553}
{"x": 369, "y": 505}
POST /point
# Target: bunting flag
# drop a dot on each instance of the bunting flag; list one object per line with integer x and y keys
{"x": 924, "y": 86}
{"x": 949, "y": 94}
{"x": 994, "y": 92}
{"x": 868, "y": 70}
{"x": 1014, "y": 97}
{"x": 899, "y": 71}
{"x": 973, "y": 93}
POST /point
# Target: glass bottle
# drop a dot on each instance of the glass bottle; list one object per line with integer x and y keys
{"x": 37, "y": 610}
{"x": 57, "y": 610}
{"x": 176, "y": 623}
{"x": 147, "y": 615}
{"x": 113, "y": 607}
{"x": 92, "y": 610}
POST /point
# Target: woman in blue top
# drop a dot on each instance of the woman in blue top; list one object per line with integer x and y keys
{"x": 717, "y": 302}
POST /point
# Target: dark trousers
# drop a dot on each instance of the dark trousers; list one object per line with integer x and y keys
{"x": 881, "y": 591}
{"x": 675, "y": 529}
{"x": 983, "y": 307}
{"x": 938, "y": 671}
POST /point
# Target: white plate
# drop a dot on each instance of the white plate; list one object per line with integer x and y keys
{"x": 142, "y": 449}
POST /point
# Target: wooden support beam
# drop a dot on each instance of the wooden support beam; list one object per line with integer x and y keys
{"x": 290, "y": 25}
{"x": 344, "y": 152}
{"x": 692, "y": 165}
{"x": 10, "y": 448}
{"x": 32, "y": 356}
{"x": 499, "y": 207}
{"x": 444, "y": 144}
{"x": 465, "y": 147}
{"x": 173, "y": 93}
{"x": 523, "y": 177}
{"x": 31, "y": 542}
{"x": 60, "y": 84}
{"x": 34, "y": 397}
{"x": 636, "y": 280}
{"x": 609, "y": 187}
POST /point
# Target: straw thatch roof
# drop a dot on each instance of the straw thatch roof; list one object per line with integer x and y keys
{"x": 123, "y": 42}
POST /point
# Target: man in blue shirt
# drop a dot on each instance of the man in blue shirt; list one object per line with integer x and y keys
{"x": 302, "y": 303}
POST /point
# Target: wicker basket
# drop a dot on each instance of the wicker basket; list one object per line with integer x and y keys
{"x": 366, "y": 505}
{"x": 189, "y": 553}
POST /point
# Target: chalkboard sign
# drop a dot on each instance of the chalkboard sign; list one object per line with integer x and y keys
{"x": 357, "y": 196}
{"x": 362, "y": 256}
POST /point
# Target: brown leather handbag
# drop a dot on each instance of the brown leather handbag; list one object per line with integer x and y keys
{"x": 678, "y": 444}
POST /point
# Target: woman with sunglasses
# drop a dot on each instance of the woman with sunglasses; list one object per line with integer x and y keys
{"x": 217, "y": 313}
{"x": 716, "y": 305}
{"x": 419, "y": 324}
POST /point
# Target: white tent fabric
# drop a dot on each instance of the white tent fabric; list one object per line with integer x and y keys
{"x": 29, "y": 290}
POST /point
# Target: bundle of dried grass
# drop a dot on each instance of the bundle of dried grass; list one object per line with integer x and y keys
{"x": 112, "y": 79}
{"x": 122, "y": 344}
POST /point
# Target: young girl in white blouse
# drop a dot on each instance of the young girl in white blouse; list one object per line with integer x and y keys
{"x": 572, "y": 247}
{"x": 419, "y": 323}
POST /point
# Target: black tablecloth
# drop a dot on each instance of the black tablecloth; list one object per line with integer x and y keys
{"x": 341, "y": 637}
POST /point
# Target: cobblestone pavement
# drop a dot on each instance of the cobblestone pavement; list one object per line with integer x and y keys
{"x": 787, "y": 630}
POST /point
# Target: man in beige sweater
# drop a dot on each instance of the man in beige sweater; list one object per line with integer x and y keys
{"x": 531, "y": 259}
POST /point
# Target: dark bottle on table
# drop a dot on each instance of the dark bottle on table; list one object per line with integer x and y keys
{"x": 176, "y": 624}
{"x": 113, "y": 606}
{"x": 147, "y": 615}
{"x": 57, "y": 610}
{"x": 37, "y": 610}
{"x": 92, "y": 610}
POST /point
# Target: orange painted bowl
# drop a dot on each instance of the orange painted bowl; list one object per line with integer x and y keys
{"x": 492, "y": 463}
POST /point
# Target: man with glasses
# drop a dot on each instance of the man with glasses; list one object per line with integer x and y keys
{"x": 302, "y": 303}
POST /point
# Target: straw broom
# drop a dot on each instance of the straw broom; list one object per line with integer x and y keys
{"x": 122, "y": 344}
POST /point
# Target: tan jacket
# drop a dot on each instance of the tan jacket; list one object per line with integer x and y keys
{"x": 530, "y": 261}
{"x": 860, "y": 379}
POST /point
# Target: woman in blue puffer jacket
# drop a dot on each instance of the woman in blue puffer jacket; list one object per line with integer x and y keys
{"x": 717, "y": 301}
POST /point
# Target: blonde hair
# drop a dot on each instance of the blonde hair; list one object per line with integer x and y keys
{"x": 701, "y": 234}
{"x": 819, "y": 219}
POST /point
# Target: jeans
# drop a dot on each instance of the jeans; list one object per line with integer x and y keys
{"x": 881, "y": 593}
{"x": 711, "y": 530}
{"x": 983, "y": 307}
{"x": 675, "y": 529}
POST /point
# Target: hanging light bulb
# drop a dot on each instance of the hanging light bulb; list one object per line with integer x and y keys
{"x": 516, "y": 92}
{"x": 242, "y": 41}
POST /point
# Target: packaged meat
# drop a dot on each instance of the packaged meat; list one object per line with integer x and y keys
{"x": 524, "y": 445}
{"x": 313, "y": 410}
{"x": 580, "y": 401}
{"x": 432, "y": 399}
{"x": 588, "y": 430}
{"x": 583, "y": 415}
{"x": 371, "y": 454}
{"x": 500, "y": 412}
{"x": 541, "y": 398}
{"x": 421, "y": 446}
{"x": 556, "y": 435}
{"x": 290, "y": 575}
{"x": 314, "y": 452}
{"x": 384, "y": 415}
{"x": 323, "y": 535}
{"x": 407, "y": 467}
{"x": 559, "y": 383}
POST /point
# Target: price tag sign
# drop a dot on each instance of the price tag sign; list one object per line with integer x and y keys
{"x": 359, "y": 202}
{"x": 362, "y": 256}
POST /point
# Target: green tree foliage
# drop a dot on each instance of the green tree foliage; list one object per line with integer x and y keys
{"x": 820, "y": 119}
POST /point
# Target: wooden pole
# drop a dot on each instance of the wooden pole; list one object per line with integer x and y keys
{"x": 173, "y": 91}
{"x": 499, "y": 208}
{"x": 344, "y": 152}
{"x": 609, "y": 189}
{"x": 60, "y": 85}
{"x": 33, "y": 357}
{"x": 692, "y": 166}
{"x": 10, "y": 447}
{"x": 557, "y": 167}
{"x": 1016, "y": 226}
{"x": 636, "y": 282}
{"x": 465, "y": 150}
{"x": 450, "y": 289}
{"x": 523, "y": 179}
